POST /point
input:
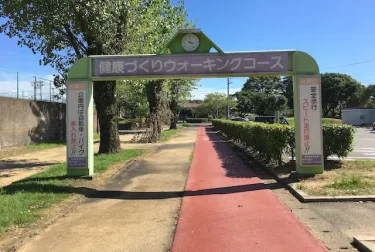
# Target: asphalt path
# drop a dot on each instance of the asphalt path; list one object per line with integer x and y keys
{"x": 364, "y": 145}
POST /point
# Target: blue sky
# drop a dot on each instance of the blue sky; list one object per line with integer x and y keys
{"x": 334, "y": 32}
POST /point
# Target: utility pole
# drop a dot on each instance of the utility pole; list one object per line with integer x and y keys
{"x": 18, "y": 87}
{"x": 228, "y": 83}
{"x": 50, "y": 91}
{"x": 37, "y": 84}
{"x": 34, "y": 84}
{"x": 40, "y": 86}
{"x": 217, "y": 108}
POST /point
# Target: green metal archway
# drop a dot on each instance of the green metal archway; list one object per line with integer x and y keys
{"x": 197, "y": 64}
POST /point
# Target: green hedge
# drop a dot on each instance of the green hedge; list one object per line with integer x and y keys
{"x": 271, "y": 140}
{"x": 196, "y": 120}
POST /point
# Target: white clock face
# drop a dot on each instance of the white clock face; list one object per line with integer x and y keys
{"x": 190, "y": 42}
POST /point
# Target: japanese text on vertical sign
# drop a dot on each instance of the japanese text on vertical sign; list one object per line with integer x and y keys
{"x": 73, "y": 137}
{"x": 306, "y": 125}
{"x": 314, "y": 101}
{"x": 81, "y": 122}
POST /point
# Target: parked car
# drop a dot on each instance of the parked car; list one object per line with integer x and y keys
{"x": 270, "y": 119}
{"x": 240, "y": 119}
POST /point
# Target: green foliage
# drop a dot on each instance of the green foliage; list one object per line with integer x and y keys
{"x": 167, "y": 134}
{"x": 132, "y": 100}
{"x": 63, "y": 31}
{"x": 263, "y": 96}
{"x": 45, "y": 145}
{"x": 187, "y": 112}
{"x": 368, "y": 96}
{"x": 197, "y": 120}
{"x": 265, "y": 85}
{"x": 271, "y": 140}
{"x": 324, "y": 121}
{"x": 260, "y": 103}
{"x": 268, "y": 140}
{"x": 179, "y": 92}
{"x": 339, "y": 90}
{"x": 337, "y": 140}
{"x": 215, "y": 105}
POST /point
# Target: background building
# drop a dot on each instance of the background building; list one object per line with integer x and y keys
{"x": 358, "y": 116}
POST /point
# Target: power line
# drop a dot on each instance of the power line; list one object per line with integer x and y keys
{"x": 352, "y": 64}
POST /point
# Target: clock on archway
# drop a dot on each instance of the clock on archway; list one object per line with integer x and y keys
{"x": 190, "y": 42}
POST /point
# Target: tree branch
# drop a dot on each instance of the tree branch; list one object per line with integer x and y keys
{"x": 73, "y": 40}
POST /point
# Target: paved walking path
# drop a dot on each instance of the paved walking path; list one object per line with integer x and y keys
{"x": 137, "y": 211}
{"x": 227, "y": 208}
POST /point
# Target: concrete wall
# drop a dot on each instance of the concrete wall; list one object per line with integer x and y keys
{"x": 23, "y": 122}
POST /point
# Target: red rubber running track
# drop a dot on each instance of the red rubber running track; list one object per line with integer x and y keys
{"x": 227, "y": 208}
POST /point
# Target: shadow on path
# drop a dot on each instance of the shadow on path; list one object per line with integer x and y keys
{"x": 19, "y": 164}
{"x": 129, "y": 195}
{"x": 231, "y": 162}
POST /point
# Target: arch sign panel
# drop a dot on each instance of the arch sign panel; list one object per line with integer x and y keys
{"x": 303, "y": 68}
{"x": 162, "y": 66}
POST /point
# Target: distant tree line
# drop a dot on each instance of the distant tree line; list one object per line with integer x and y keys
{"x": 265, "y": 95}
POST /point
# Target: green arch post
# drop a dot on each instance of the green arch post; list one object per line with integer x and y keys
{"x": 306, "y": 68}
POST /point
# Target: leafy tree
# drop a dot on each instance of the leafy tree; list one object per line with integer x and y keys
{"x": 215, "y": 105}
{"x": 339, "y": 90}
{"x": 158, "y": 27}
{"x": 266, "y": 85}
{"x": 63, "y": 31}
{"x": 187, "y": 112}
{"x": 245, "y": 102}
{"x": 262, "y": 95}
{"x": 286, "y": 89}
{"x": 260, "y": 103}
{"x": 132, "y": 99}
{"x": 179, "y": 93}
{"x": 367, "y": 96}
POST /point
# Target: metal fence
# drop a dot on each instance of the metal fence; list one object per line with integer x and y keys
{"x": 26, "y": 86}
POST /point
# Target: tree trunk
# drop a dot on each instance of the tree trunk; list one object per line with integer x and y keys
{"x": 106, "y": 106}
{"x": 154, "y": 92}
{"x": 173, "y": 106}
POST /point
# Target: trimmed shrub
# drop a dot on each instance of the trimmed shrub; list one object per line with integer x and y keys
{"x": 268, "y": 140}
{"x": 337, "y": 140}
{"x": 197, "y": 120}
{"x": 271, "y": 140}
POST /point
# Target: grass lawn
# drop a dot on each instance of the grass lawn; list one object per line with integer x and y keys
{"x": 96, "y": 136}
{"x": 342, "y": 178}
{"x": 324, "y": 121}
{"x": 51, "y": 144}
{"x": 22, "y": 202}
{"x": 43, "y": 146}
{"x": 167, "y": 134}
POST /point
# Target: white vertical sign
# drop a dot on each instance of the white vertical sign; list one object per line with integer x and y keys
{"x": 76, "y": 130}
{"x": 310, "y": 116}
